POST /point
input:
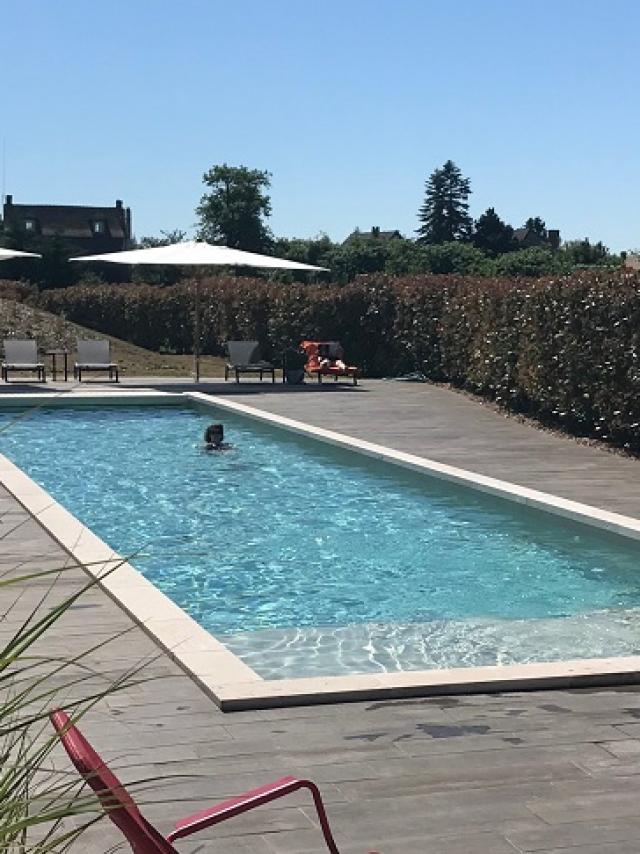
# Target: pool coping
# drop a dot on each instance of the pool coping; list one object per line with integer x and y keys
{"x": 231, "y": 683}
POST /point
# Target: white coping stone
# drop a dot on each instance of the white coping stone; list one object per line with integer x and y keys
{"x": 231, "y": 683}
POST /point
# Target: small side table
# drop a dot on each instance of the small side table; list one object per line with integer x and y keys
{"x": 54, "y": 354}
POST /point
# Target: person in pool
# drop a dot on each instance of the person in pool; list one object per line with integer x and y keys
{"x": 214, "y": 438}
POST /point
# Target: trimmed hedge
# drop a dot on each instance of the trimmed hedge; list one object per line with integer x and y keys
{"x": 565, "y": 349}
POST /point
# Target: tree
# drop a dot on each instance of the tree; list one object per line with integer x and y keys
{"x": 166, "y": 239}
{"x": 538, "y": 226}
{"x": 456, "y": 257}
{"x": 584, "y": 252}
{"x": 444, "y": 215}
{"x": 492, "y": 235}
{"x": 535, "y": 261}
{"x": 233, "y": 212}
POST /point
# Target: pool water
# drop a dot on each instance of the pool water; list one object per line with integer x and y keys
{"x": 310, "y": 560}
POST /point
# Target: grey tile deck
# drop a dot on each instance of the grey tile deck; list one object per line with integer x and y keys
{"x": 541, "y": 772}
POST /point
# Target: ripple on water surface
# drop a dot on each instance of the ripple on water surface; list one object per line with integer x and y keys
{"x": 283, "y": 534}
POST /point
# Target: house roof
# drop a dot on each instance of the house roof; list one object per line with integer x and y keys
{"x": 69, "y": 220}
{"x": 375, "y": 233}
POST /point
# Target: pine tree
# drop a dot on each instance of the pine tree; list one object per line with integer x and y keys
{"x": 492, "y": 235}
{"x": 444, "y": 215}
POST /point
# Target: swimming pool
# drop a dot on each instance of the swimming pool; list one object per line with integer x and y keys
{"x": 306, "y": 560}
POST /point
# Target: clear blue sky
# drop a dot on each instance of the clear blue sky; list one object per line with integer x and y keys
{"x": 350, "y": 105}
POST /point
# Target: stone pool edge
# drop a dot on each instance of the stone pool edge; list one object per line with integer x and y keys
{"x": 222, "y": 675}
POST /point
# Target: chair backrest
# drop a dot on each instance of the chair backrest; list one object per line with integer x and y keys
{"x": 243, "y": 352}
{"x": 93, "y": 351}
{"x": 116, "y": 801}
{"x": 317, "y": 350}
{"x": 20, "y": 351}
{"x": 330, "y": 350}
{"x": 311, "y": 350}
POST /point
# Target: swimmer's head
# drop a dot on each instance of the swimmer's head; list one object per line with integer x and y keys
{"x": 214, "y": 434}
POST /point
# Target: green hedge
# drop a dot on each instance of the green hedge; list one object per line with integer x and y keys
{"x": 565, "y": 349}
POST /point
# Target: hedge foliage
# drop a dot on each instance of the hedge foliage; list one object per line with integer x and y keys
{"x": 565, "y": 349}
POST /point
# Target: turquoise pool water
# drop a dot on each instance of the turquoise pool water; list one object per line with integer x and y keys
{"x": 305, "y": 559}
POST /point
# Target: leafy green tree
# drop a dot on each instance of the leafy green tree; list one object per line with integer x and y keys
{"x": 314, "y": 250}
{"x": 444, "y": 215}
{"x": 585, "y": 253}
{"x": 359, "y": 255}
{"x": 492, "y": 235}
{"x": 233, "y": 212}
{"x": 535, "y": 261}
{"x": 455, "y": 257}
{"x": 538, "y": 226}
{"x": 404, "y": 257}
{"x": 166, "y": 239}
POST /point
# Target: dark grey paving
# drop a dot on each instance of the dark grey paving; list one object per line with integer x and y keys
{"x": 541, "y": 772}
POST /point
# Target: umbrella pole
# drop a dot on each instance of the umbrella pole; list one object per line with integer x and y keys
{"x": 196, "y": 333}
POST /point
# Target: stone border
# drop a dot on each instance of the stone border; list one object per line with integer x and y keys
{"x": 221, "y": 674}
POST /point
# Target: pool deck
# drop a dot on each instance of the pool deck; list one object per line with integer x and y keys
{"x": 550, "y": 771}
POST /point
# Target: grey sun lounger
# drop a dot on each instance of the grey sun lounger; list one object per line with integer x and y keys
{"x": 243, "y": 357}
{"x": 95, "y": 355}
{"x": 22, "y": 355}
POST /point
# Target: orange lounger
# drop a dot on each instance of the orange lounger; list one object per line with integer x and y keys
{"x": 324, "y": 359}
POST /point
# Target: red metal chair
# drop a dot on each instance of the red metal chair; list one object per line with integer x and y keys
{"x": 142, "y": 836}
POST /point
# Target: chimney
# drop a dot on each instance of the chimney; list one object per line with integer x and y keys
{"x": 553, "y": 236}
{"x": 127, "y": 228}
{"x": 8, "y": 200}
{"x": 119, "y": 204}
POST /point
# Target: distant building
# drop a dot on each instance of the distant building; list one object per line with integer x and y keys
{"x": 632, "y": 261}
{"x": 85, "y": 230}
{"x": 375, "y": 233}
{"x": 527, "y": 238}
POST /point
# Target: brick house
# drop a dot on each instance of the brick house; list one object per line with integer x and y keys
{"x": 84, "y": 230}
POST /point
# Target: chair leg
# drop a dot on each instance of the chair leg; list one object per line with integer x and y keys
{"x": 273, "y": 376}
{"x": 237, "y": 375}
{"x": 226, "y": 373}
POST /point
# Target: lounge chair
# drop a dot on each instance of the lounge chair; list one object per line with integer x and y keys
{"x": 243, "y": 357}
{"x": 94, "y": 355}
{"x": 22, "y": 355}
{"x": 324, "y": 359}
{"x": 143, "y": 836}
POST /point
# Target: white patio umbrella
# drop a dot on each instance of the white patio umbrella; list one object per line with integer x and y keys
{"x": 198, "y": 253}
{"x": 7, "y": 254}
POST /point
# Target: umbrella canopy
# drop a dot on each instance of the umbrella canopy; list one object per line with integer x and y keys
{"x": 198, "y": 253}
{"x": 7, "y": 254}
